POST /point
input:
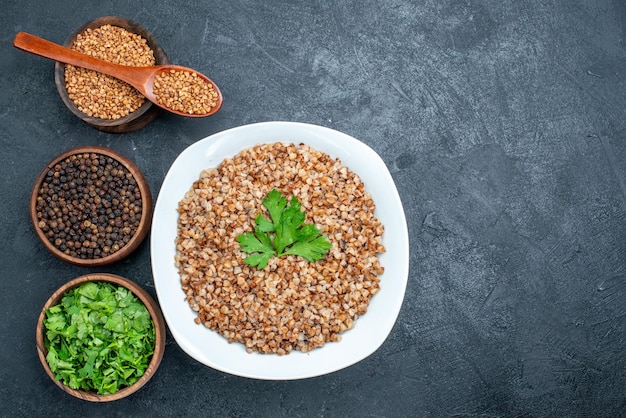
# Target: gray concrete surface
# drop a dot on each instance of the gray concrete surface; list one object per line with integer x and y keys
{"x": 503, "y": 124}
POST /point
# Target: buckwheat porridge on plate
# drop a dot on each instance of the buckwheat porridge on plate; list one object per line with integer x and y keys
{"x": 291, "y": 304}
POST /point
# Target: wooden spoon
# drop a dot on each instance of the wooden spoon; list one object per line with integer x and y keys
{"x": 141, "y": 78}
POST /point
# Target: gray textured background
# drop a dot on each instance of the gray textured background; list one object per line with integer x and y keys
{"x": 503, "y": 125}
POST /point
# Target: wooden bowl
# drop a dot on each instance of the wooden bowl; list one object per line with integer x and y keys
{"x": 133, "y": 121}
{"x": 144, "y": 297}
{"x": 141, "y": 230}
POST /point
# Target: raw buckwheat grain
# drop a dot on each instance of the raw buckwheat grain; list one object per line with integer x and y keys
{"x": 100, "y": 95}
{"x": 185, "y": 91}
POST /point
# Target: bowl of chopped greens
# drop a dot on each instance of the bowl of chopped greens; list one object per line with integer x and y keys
{"x": 100, "y": 337}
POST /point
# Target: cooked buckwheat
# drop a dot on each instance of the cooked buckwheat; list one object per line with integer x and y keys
{"x": 292, "y": 304}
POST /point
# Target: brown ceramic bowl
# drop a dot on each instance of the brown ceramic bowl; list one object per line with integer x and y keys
{"x": 157, "y": 319}
{"x": 133, "y": 121}
{"x": 105, "y": 258}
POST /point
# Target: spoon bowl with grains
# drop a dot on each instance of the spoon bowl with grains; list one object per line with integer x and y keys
{"x": 177, "y": 89}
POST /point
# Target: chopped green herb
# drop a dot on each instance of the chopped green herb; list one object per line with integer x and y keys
{"x": 284, "y": 233}
{"x": 99, "y": 338}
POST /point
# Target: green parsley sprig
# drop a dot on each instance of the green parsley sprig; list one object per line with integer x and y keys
{"x": 282, "y": 234}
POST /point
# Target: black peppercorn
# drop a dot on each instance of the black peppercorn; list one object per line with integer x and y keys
{"x": 83, "y": 205}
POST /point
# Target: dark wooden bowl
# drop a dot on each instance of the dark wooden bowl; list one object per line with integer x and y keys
{"x": 133, "y": 121}
{"x": 146, "y": 208}
{"x": 144, "y": 297}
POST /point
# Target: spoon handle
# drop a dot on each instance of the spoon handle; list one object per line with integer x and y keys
{"x": 42, "y": 47}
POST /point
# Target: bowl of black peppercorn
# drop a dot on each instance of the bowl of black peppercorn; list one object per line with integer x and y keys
{"x": 91, "y": 206}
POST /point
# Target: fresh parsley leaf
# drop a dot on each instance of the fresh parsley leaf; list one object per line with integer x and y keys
{"x": 275, "y": 203}
{"x": 258, "y": 260}
{"x": 254, "y": 243}
{"x": 259, "y": 245}
{"x": 263, "y": 224}
{"x": 287, "y": 230}
{"x": 312, "y": 250}
{"x": 284, "y": 233}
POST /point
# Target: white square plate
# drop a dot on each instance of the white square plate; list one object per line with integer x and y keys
{"x": 210, "y": 348}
